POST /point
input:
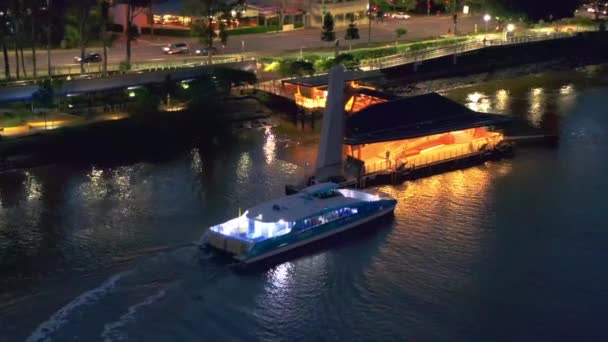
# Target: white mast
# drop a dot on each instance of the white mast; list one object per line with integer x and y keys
{"x": 329, "y": 157}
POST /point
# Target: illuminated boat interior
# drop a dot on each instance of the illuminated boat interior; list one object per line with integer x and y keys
{"x": 313, "y": 206}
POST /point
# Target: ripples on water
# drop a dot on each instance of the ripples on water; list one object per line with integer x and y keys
{"x": 508, "y": 250}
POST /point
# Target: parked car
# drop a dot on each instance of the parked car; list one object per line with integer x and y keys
{"x": 206, "y": 51}
{"x": 91, "y": 57}
{"x": 400, "y": 15}
{"x": 176, "y": 48}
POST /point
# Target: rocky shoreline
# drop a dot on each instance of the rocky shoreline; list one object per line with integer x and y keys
{"x": 449, "y": 83}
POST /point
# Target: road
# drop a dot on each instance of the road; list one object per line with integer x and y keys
{"x": 148, "y": 49}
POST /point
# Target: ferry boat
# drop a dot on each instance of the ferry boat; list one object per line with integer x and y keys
{"x": 288, "y": 222}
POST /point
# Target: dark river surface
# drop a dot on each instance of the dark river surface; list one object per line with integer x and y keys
{"x": 512, "y": 250}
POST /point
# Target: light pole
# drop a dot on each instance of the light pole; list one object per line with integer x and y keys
{"x": 487, "y": 18}
{"x": 510, "y": 28}
{"x": 369, "y": 23}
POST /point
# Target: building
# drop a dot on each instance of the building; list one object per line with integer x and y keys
{"x": 342, "y": 10}
{"x": 309, "y": 13}
{"x": 416, "y": 132}
{"x": 171, "y": 14}
{"x": 310, "y": 93}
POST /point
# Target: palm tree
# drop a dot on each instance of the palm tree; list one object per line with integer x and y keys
{"x": 5, "y": 31}
{"x": 83, "y": 10}
{"x": 104, "y": 6}
{"x": 33, "y": 9}
{"x": 134, "y": 8}
{"x": 207, "y": 9}
{"x": 47, "y": 8}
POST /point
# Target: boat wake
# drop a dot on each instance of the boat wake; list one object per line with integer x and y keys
{"x": 112, "y": 331}
{"x": 139, "y": 288}
{"x": 59, "y": 318}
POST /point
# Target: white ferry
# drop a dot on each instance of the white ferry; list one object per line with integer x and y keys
{"x": 288, "y": 222}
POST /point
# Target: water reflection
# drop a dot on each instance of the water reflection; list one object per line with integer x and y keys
{"x": 95, "y": 188}
{"x": 537, "y": 106}
{"x": 269, "y": 145}
{"x": 32, "y": 186}
{"x": 196, "y": 164}
{"x": 244, "y": 165}
{"x": 502, "y": 100}
{"x": 567, "y": 89}
{"x": 478, "y": 102}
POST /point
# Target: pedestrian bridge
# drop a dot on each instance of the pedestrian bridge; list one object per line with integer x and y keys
{"x": 121, "y": 81}
{"x": 413, "y": 57}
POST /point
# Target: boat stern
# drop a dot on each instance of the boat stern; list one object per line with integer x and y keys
{"x": 228, "y": 244}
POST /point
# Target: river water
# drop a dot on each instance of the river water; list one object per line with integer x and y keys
{"x": 509, "y": 250}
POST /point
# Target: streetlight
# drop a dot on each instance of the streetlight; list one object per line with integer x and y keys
{"x": 510, "y": 28}
{"x": 487, "y": 18}
{"x": 369, "y": 23}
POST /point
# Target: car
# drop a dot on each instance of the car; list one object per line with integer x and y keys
{"x": 400, "y": 15}
{"x": 206, "y": 51}
{"x": 91, "y": 57}
{"x": 176, "y": 48}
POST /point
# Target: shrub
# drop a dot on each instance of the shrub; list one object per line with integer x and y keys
{"x": 233, "y": 32}
{"x": 166, "y": 32}
{"x": 253, "y": 29}
{"x": 298, "y": 67}
{"x": 347, "y": 60}
{"x": 323, "y": 64}
{"x": 124, "y": 66}
{"x": 374, "y": 53}
{"x": 143, "y": 103}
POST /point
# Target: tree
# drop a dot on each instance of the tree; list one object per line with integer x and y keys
{"x": 208, "y": 11}
{"x": 205, "y": 34}
{"x": 16, "y": 17}
{"x": 400, "y": 32}
{"x": 537, "y": 9}
{"x": 229, "y": 78}
{"x": 83, "y": 11}
{"x": 223, "y": 34}
{"x": 347, "y": 60}
{"x": 48, "y": 37}
{"x": 5, "y": 32}
{"x": 290, "y": 68}
{"x": 134, "y": 8}
{"x": 44, "y": 98}
{"x": 33, "y": 9}
{"x": 104, "y": 6}
{"x": 405, "y": 5}
{"x": 328, "y": 34}
{"x": 352, "y": 32}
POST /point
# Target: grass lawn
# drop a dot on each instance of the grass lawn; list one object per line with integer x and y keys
{"x": 9, "y": 119}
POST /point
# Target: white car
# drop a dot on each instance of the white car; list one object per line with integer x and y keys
{"x": 400, "y": 15}
{"x": 176, "y": 48}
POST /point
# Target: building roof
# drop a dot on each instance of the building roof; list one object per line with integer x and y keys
{"x": 168, "y": 7}
{"x": 413, "y": 117}
{"x": 323, "y": 80}
{"x": 306, "y": 203}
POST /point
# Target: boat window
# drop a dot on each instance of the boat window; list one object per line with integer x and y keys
{"x": 328, "y": 194}
{"x": 245, "y": 228}
{"x": 327, "y": 217}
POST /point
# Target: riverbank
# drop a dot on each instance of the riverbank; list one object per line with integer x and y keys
{"x": 148, "y": 136}
{"x": 444, "y": 84}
